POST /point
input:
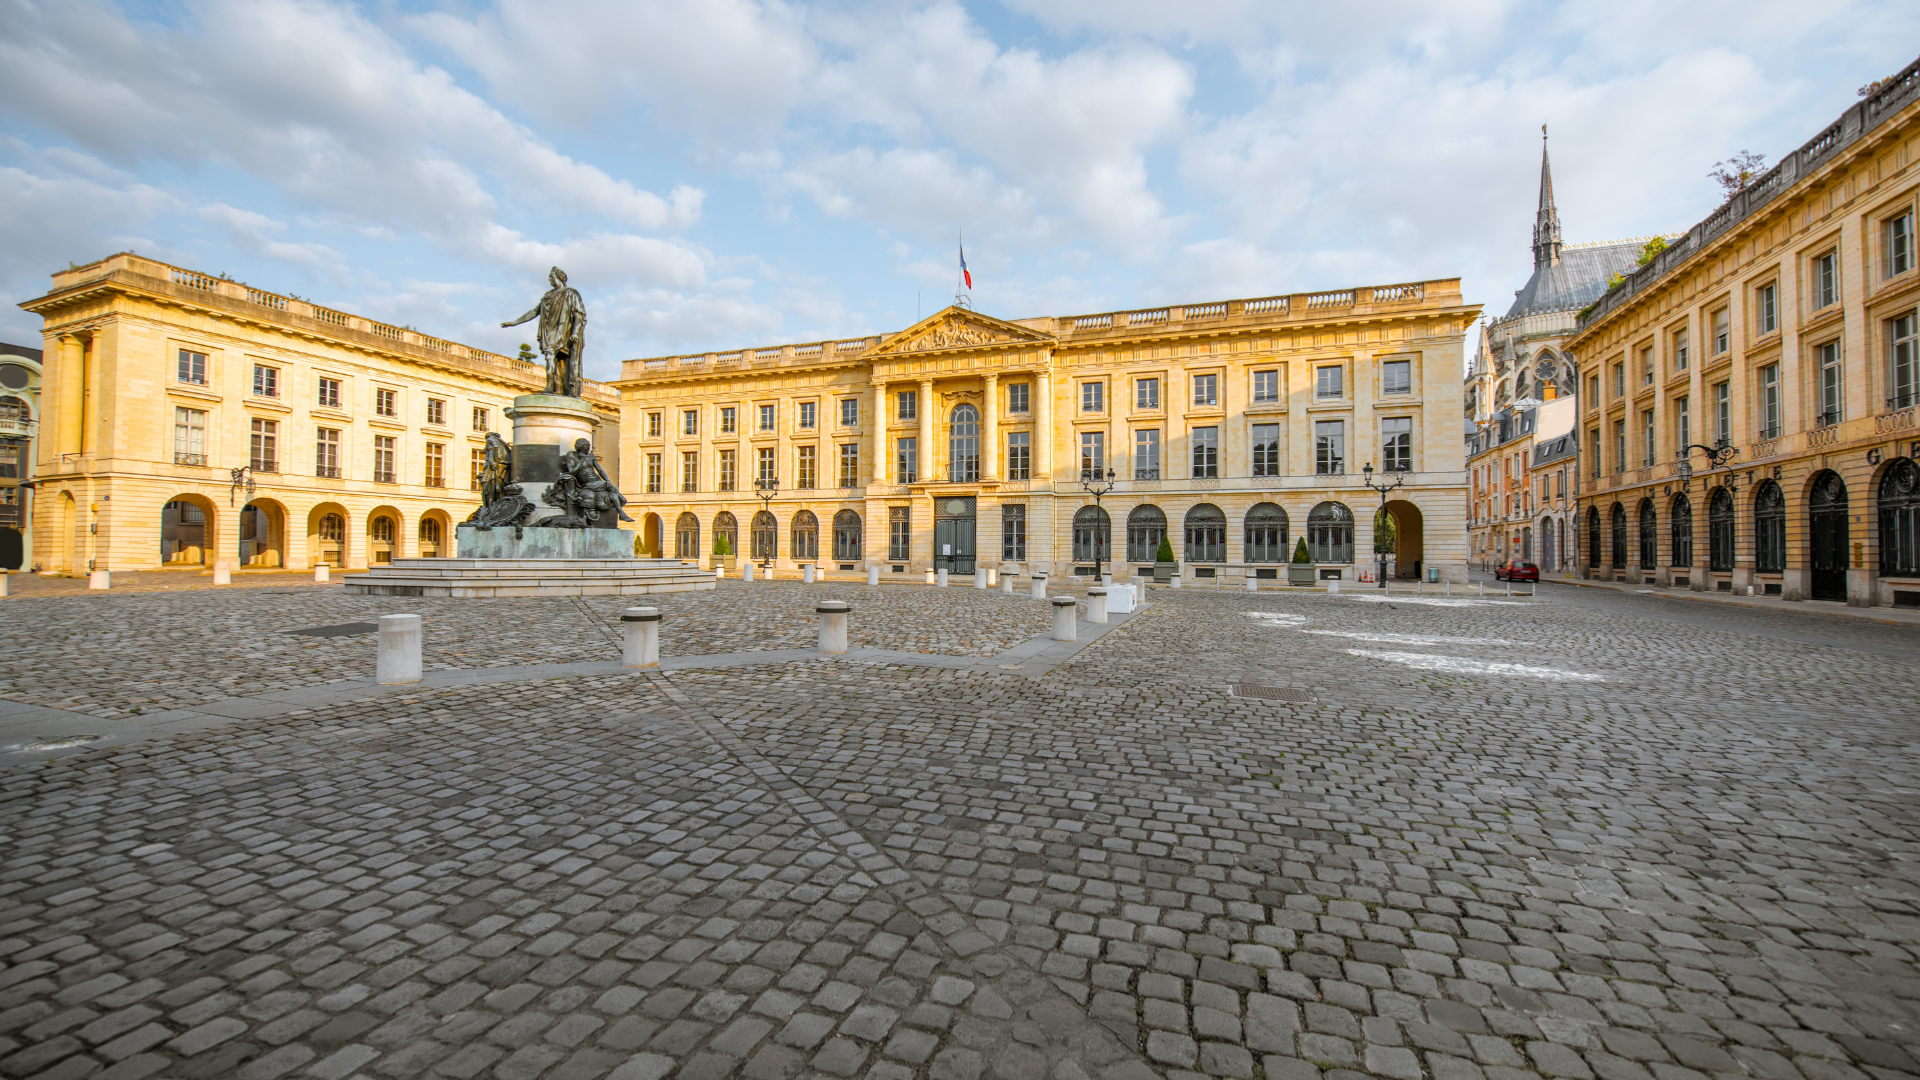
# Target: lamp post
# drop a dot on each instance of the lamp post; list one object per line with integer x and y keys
{"x": 1367, "y": 474}
{"x": 1719, "y": 456}
{"x": 765, "y": 489}
{"x": 1098, "y": 485}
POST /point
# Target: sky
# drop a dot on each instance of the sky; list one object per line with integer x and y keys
{"x": 715, "y": 174}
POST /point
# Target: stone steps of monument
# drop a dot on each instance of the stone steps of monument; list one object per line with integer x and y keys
{"x": 528, "y": 577}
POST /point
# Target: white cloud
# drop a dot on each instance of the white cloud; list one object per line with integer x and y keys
{"x": 249, "y": 231}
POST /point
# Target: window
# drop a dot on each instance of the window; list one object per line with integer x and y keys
{"x": 1329, "y": 447}
{"x": 386, "y": 402}
{"x": 1593, "y": 391}
{"x": 1206, "y": 390}
{"x": 1619, "y": 380}
{"x": 806, "y": 466}
{"x": 1899, "y": 501}
{"x": 1682, "y": 531}
{"x": 326, "y": 455}
{"x": 383, "y": 453}
{"x": 1146, "y": 527}
{"x": 477, "y": 464}
{"x": 1330, "y": 533}
{"x": 690, "y": 470}
{"x": 1328, "y": 382}
{"x": 1619, "y": 446}
{"x": 1826, "y": 280}
{"x": 1900, "y": 244}
{"x": 763, "y": 464}
{"x": 1146, "y": 454}
{"x": 1146, "y": 393}
{"x": 1903, "y": 361}
{"x": 1646, "y": 438}
{"x": 1770, "y": 529}
{"x": 1770, "y": 401}
{"x": 328, "y": 393}
{"x": 1682, "y": 422}
{"x": 193, "y": 367}
{"x": 963, "y": 444}
{"x": 189, "y": 436}
{"x": 1722, "y": 330}
{"x": 729, "y": 470}
{"x": 806, "y": 537}
{"x": 1396, "y": 444}
{"x": 690, "y": 421}
{"x": 1019, "y": 455}
{"x": 1266, "y": 387}
{"x": 1830, "y": 385}
{"x": 1206, "y": 529}
{"x": 909, "y": 404}
{"x": 481, "y": 421}
{"x": 436, "y": 412}
{"x": 849, "y": 412}
{"x": 1093, "y": 397}
{"x": 806, "y": 415}
{"x": 654, "y": 479}
{"x": 1723, "y": 412}
{"x": 1092, "y": 534}
{"x": 1017, "y": 399}
{"x": 1646, "y": 366}
{"x": 906, "y": 461}
{"x": 1396, "y": 377}
{"x": 1766, "y": 309}
{"x": 1206, "y": 452}
{"x": 266, "y": 381}
{"x": 846, "y": 536}
{"x": 849, "y": 465}
{"x": 729, "y": 421}
{"x": 1680, "y": 350}
{"x": 1093, "y": 453}
{"x": 1720, "y": 531}
{"x": 765, "y": 536}
{"x": 653, "y": 425}
{"x": 899, "y": 533}
{"x": 436, "y": 464}
{"x": 1649, "y": 536}
{"x": 686, "y": 537}
{"x": 1593, "y": 440}
{"x": 263, "y": 452}
{"x": 1266, "y": 449}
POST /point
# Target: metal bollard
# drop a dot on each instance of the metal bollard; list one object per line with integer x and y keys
{"x": 1063, "y": 621}
{"x": 1039, "y": 580}
{"x": 873, "y": 575}
{"x": 1096, "y": 605}
{"x": 833, "y": 625}
{"x": 222, "y": 573}
{"x": 940, "y": 577}
{"x": 806, "y": 574}
{"x": 321, "y": 572}
{"x": 397, "y": 657}
{"x": 642, "y": 648}
{"x": 1253, "y": 583}
{"x": 1006, "y": 584}
{"x": 979, "y": 578}
{"x": 100, "y": 579}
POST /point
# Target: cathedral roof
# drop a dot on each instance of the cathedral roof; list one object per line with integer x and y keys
{"x": 1576, "y": 277}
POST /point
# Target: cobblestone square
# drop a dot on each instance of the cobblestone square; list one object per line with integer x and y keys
{"x": 1588, "y": 835}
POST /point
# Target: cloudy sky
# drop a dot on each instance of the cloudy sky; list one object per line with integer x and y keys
{"x": 718, "y": 173}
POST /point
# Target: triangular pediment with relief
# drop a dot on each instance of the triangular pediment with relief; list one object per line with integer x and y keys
{"x": 959, "y": 328}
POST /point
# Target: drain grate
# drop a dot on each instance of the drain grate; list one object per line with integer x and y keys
{"x": 342, "y": 630}
{"x": 1273, "y": 693}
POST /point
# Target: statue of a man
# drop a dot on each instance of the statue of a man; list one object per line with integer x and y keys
{"x": 496, "y": 470}
{"x": 563, "y": 334}
{"x": 583, "y": 491}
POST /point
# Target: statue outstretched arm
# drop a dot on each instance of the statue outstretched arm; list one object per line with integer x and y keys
{"x": 534, "y": 314}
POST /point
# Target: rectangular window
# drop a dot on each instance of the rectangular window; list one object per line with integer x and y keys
{"x": 481, "y": 421}
{"x": 1329, "y": 382}
{"x": 189, "y": 436}
{"x": 1019, "y": 455}
{"x": 654, "y": 478}
{"x": 1766, "y": 309}
{"x": 1770, "y": 401}
{"x": 1013, "y": 532}
{"x": 1206, "y": 390}
{"x": 1682, "y": 422}
{"x": 1593, "y": 442}
{"x": 729, "y": 470}
{"x": 1093, "y": 397}
{"x": 653, "y": 425}
{"x": 477, "y": 464}
{"x": 1722, "y": 412}
{"x": 766, "y": 418}
{"x": 436, "y": 464}
{"x": 1330, "y": 446}
{"x": 1396, "y": 444}
{"x": 386, "y": 403}
{"x": 263, "y": 452}
{"x": 1266, "y": 387}
{"x": 329, "y": 394}
{"x": 1722, "y": 332}
{"x": 728, "y": 420}
{"x": 193, "y": 367}
{"x": 1266, "y": 449}
{"x": 1396, "y": 377}
{"x": 1646, "y": 366}
{"x": 1619, "y": 380}
{"x": 1619, "y": 446}
{"x": 383, "y": 455}
{"x": 690, "y": 421}
{"x": 899, "y": 533}
{"x": 1900, "y": 245}
{"x": 1830, "y": 384}
{"x": 266, "y": 381}
{"x": 690, "y": 470}
{"x": 1146, "y": 454}
{"x": 906, "y": 461}
{"x": 1679, "y": 350}
{"x": 1206, "y": 452}
{"x": 909, "y": 404}
{"x": 763, "y": 464}
{"x": 1093, "y": 453}
{"x": 1593, "y": 391}
{"x": 849, "y": 465}
{"x": 436, "y": 412}
{"x": 1646, "y": 438}
{"x": 849, "y": 412}
{"x": 1903, "y": 361}
{"x": 326, "y": 454}
{"x": 806, "y": 466}
{"x": 806, "y": 415}
{"x": 1826, "y": 280}
{"x": 1146, "y": 393}
{"x": 1017, "y": 398}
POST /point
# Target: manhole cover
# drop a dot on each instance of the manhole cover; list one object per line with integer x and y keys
{"x": 1273, "y": 693}
{"x": 343, "y": 630}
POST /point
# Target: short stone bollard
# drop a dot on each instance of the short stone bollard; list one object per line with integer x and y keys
{"x": 929, "y": 577}
{"x": 1483, "y": 588}
{"x": 873, "y": 575}
{"x": 1253, "y": 583}
{"x": 100, "y": 579}
{"x": 992, "y": 577}
{"x": 1063, "y": 621}
{"x": 719, "y": 572}
{"x": 1509, "y": 586}
{"x": 642, "y": 648}
{"x": 397, "y": 659}
{"x": 1333, "y": 584}
{"x": 1039, "y": 584}
{"x": 806, "y": 574}
{"x": 833, "y": 625}
{"x": 979, "y": 578}
{"x": 940, "y": 577}
{"x": 1096, "y": 605}
{"x": 746, "y": 572}
{"x": 1006, "y": 584}
{"x": 321, "y": 572}
{"x": 222, "y": 573}
{"x": 1173, "y": 581}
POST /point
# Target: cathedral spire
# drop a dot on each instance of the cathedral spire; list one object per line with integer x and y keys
{"x": 1546, "y": 222}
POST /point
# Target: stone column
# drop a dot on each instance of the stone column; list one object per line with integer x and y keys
{"x": 990, "y": 430}
{"x": 90, "y": 406}
{"x": 926, "y": 430}
{"x": 68, "y": 390}
{"x": 1042, "y": 428}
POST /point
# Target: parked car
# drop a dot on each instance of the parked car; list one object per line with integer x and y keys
{"x": 1516, "y": 571}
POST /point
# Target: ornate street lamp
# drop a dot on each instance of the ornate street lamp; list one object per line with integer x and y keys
{"x": 1367, "y": 474}
{"x": 765, "y": 489}
{"x": 1098, "y": 485}
{"x": 1719, "y": 456}
{"x": 242, "y": 478}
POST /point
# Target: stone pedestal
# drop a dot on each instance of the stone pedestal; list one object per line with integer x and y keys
{"x": 525, "y": 542}
{"x": 545, "y": 427}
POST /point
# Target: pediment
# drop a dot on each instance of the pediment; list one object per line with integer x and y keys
{"x": 959, "y": 328}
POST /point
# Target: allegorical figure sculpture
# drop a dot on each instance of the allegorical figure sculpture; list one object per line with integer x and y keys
{"x": 583, "y": 492}
{"x": 563, "y": 334}
{"x": 501, "y": 502}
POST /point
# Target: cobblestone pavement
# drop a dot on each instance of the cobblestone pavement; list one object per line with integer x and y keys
{"x": 1505, "y": 841}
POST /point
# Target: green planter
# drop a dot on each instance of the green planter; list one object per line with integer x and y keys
{"x": 1300, "y": 573}
{"x": 1163, "y": 572}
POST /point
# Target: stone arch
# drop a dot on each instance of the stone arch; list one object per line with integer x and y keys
{"x": 847, "y": 536}
{"x": 385, "y": 535}
{"x": 261, "y": 536}
{"x": 435, "y": 532}
{"x": 327, "y": 534}
{"x": 963, "y": 444}
{"x": 1681, "y": 548}
{"x": 726, "y": 526}
{"x": 1146, "y": 527}
{"x": 1410, "y": 544}
{"x": 1593, "y": 538}
{"x": 1769, "y": 528}
{"x": 1720, "y": 531}
{"x": 1897, "y": 505}
{"x": 650, "y": 541}
{"x": 1649, "y": 535}
{"x": 766, "y": 536}
{"x": 187, "y": 530}
{"x": 805, "y": 543}
{"x": 1264, "y": 534}
{"x": 1829, "y": 534}
{"x": 1617, "y": 524}
{"x": 1330, "y": 533}
{"x": 686, "y": 536}
{"x": 1205, "y": 526}
{"x": 1092, "y": 535}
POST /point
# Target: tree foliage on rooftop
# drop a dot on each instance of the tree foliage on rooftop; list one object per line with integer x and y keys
{"x": 1734, "y": 174}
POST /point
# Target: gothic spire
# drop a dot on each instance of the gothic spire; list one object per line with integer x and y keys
{"x": 1546, "y": 222}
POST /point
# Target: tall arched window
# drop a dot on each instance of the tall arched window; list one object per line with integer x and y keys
{"x": 1769, "y": 528}
{"x": 1593, "y": 537}
{"x": 1206, "y": 534}
{"x": 846, "y": 536}
{"x": 1146, "y": 527}
{"x": 1649, "y": 535}
{"x": 1618, "y": 526}
{"x": 766, "y": 536}
{"x": 806, "y": 536}
{"x": 1330, "y": 533}
{"x": 1899, "y": 499}
{"x": 963, "y": 445}
{"x": 381, "y": 531}
{"x": 1720, "y": 531}
{"x": 727, "y": 528}
{"x": 686, "y": 537}
{"x": 1682, "y": 531}
{"x": 1266, "y": 534}
{"x": 1092, "y": 534}
{"x": 429, "y": 538}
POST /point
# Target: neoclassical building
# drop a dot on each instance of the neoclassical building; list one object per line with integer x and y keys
{"x": 1232, "y": 427}
{"x": 1781, "y": 334}
{"x": 188, "y": 420}
{"x": 19, "y": 428}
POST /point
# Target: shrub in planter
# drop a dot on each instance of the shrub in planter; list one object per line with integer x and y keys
{"x": 1300, "y": 571}
{"x": 1163, "y": 562}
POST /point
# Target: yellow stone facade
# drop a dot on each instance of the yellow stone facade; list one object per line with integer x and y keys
{"x": 159, "y": 382}
{"x": 1045, "y": 399}
{"x": 1785, "y": 323}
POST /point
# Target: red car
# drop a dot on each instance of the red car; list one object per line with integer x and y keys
{"x": 1516, "y": 571}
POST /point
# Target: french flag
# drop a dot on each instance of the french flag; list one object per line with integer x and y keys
{"x": 965, "y": 274}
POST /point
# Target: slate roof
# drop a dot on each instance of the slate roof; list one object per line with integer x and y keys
{"x": 1576, "y": 279}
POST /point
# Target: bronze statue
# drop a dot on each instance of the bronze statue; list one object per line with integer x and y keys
{"x": 563, "y": 334}
{"x": 583, "y": 492}
{"x": 501, "y": 502}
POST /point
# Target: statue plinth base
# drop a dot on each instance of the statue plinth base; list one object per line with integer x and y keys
{"x": 532, "y": 542}
{"x": 545, "y": 427}
{"x": 496, "y": 578}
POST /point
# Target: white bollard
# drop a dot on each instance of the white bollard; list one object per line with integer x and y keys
{"x": 873, "y": 575}
{"x": 222, "y": 573}
{"x": 1096, "y": 605}
{"x": 1174, "y": 581}
{"x": 1063, "y": 621}
{"x": 833, "y": 625}
{"x": 806, "y": 574}
{"x": 397, "y": 659}
{"x": 1509, "y": 586}
{"x": 1006, "y": 585}
{"x": 321, "y": 572}
{"x": 940, "y": 577}
{"x": 1039, "y": 581}
{"x": 1449, "y": 589}
{"x": 746, "y": 572}
{"x": 929, "y": 577}
{"x": 1106, "y": 577}
{"x": 1253, "y": 583}
{"x": 1333, "y": 584}
{"x": 979, "y": 578}
{"x": 642, "y": 648}
{"x": 992, "y": 576}
{"x": 719, "y": 572}
{"x": 3, "y": 582}
{"x": 100, "y": 579}
{"x": 1483, "y": 589}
